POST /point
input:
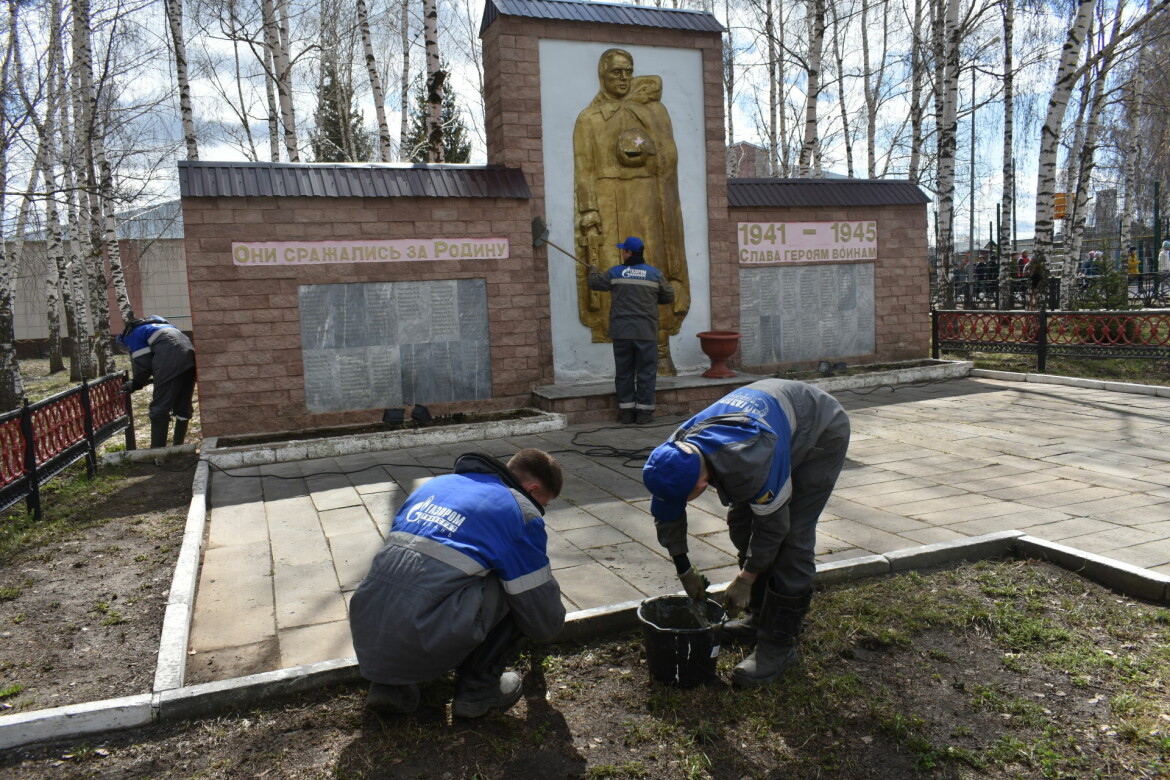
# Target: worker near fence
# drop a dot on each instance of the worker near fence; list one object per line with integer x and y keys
{"x": 638, "y": 288}
{"x": 162, "y": 354}
{"x": 463, "y": 578}
{"x": 772, "y": 450}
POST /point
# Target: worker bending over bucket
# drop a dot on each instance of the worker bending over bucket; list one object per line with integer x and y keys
{"x": 463, "y": 577}
{"x": 162, "y": 354}
{"x": 772, "y": 450}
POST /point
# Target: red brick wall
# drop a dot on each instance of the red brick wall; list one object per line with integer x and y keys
{"x": 246, "y": 319}
{"x": 900, "y": 278}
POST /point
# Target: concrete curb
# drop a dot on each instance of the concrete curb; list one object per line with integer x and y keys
{"x": 77, "y": 720}
{"x": 938, "y": 371}
{"x": 1072, "y": 381}
{"x": 171, "y": 668}
{"x": 287, "y": 451}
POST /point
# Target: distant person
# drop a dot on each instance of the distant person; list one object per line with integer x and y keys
{"x": 1022, "y": 263}
{"x": 637, "y": 289}
{"x": 1164, "y": 258}
{"x": 161, "y": 353}
{"x": 1132, "y": 265}
{"x": 463, "y": 577}
{"x": 772, "y": 451}
{"x": 1037, "y": 273}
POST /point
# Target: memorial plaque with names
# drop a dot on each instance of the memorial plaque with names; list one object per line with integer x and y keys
{"x": 386, "y": 344}
{"x": 816, "y": 312}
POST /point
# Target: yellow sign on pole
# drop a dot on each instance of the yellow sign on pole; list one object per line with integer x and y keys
{"x": 1058, "y": 206}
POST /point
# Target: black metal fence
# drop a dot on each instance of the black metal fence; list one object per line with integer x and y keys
{"x": 42, "y": 439}
{"x": 1091, "y": 334}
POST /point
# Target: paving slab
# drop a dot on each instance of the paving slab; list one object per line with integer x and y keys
{"x": 928, "y": 465}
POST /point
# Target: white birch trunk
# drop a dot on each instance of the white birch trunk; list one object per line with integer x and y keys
{"x": 85, "y": 119}
{"x": 946, "y": 110}
{"x": 386, "y": 150}
{"x": 275, "y": 36}
{"x": 404, "y": 152}
{"x": 774, "y": 113}
{"x": 11, "y": 383}
{"x": 816, "y": 41}
{"x": 174, "y": 10}
{"x": 1050, "y": 132}
{"x": 917, "y": 76}
{"x": 1075, "y": 222}
{"x": 839, "y": 33}
{"x": 1008, "y": 197}
{"x": 435, "y": 80}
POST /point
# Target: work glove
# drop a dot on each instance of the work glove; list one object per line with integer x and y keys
{"x": 694, "y": 584}
{"x": 127, "y": 386}
{"x": 737, "y": 596}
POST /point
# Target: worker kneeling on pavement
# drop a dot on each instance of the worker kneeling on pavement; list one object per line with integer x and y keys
{"x": 463, "y": 577}
{"x": 161, "y": 353}
{"x": 773, "y": 451}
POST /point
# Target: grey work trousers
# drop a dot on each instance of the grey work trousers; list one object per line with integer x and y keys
{"x": 813, "y": 479}
{"x": 635, "y": 373}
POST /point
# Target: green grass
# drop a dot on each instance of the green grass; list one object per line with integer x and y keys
{"x": 69, "y": 503}
{"x": 1134, "y": 370}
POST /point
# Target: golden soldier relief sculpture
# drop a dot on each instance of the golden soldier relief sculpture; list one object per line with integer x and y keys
{"x": 626, "y": 181}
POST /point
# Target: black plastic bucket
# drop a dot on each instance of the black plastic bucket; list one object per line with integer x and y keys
{"x": 679, "y": 649}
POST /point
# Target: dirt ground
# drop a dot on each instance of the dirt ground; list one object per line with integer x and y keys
{"x": 80, "y": 617}
{"x": 992, "y": 670}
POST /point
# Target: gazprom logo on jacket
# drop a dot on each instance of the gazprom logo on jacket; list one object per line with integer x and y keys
{"x": 750, "y": 403}
{"x": 634, "y": 273}
{"x": 430, "y": 512}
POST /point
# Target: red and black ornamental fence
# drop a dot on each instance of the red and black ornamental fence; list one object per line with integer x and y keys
{"x": 42, "y": 439}
{"x": 1089, "y": 334}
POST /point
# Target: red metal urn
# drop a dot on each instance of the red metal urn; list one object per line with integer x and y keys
{"x": 719, "y": 345}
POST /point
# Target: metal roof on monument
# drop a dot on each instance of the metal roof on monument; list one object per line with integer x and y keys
{"x": 601, "y": 13}
{"x": 795, "y": 193}
{"x": 348, "y": 180}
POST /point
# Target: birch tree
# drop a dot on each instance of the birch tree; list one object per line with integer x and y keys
{"x": 174, "y": 11}
{"x": 840, "y": 32}
{"x": 917, "y": 103}
{"x": 276, "y": 37}
{"x": 385, "y": 148}
{"x": 1066, "y": 77}
{"x": 11, "y": 384}
{"x": 436, "y": 76}
{"x": 815, "y": 10}
{"x": 404, "y": 82}
{"x": 946, "y": 48}
{"x": 1086, "y": 161}
{"x": 1009, "y": 161}
{"x": 87, "y": 142}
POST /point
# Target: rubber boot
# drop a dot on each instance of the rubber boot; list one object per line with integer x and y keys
{"x": 481, "y": 684}
{"x": 779, "y": 629}
{"x": 158, "y": 432}
{"x": 743, "y": 630}
{"x": 393, "y": 699}
{"x": 180, "y": 430}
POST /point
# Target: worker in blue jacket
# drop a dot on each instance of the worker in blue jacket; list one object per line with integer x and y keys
{"x": 463, "y": 578}
{"x": 773, "y": 451}
{"x": 161, "y": 353}
{"x": 637, "y": 289}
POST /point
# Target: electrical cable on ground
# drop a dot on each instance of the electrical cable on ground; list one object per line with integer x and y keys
{"x": 631, "y": 458}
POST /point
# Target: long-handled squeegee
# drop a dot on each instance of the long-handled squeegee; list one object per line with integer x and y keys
{"x": 540, "y": 238}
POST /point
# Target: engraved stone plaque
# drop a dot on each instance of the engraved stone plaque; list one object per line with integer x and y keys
{"x": 385, "y": 344}
{"x": 806, "y": 313}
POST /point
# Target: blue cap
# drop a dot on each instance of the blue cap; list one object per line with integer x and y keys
{"x": 670, "y": 474}
{"x": 631, "y": 244}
